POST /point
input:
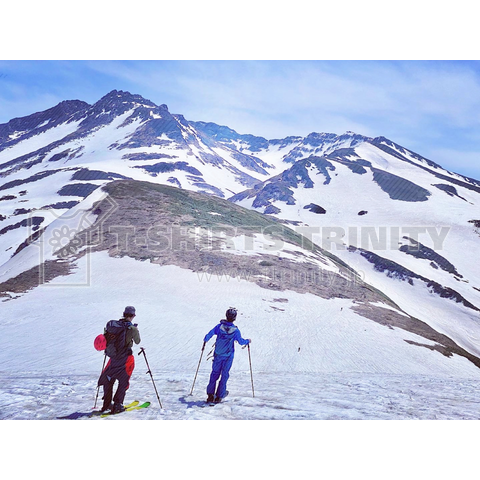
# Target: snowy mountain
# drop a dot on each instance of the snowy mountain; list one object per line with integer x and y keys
{"x": 345, "y": 255}
{"x": 403, "y": 221}
{"x": 49, "y": 161}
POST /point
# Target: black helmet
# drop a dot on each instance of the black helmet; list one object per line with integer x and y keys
{"x": 231, "y": 314}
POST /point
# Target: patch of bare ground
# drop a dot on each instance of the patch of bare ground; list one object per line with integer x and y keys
{"x": 34, "y": 277}
{"x": 169, "y": 226}
{"x": 391, "y": 319}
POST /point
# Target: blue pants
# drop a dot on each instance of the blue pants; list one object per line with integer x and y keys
{"x": 220, "y": 368}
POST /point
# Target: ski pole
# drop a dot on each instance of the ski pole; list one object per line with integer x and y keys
{"x": 201, "y": 355}
{"x": 142, "y": 350}
{"x": 98, "y": 386}
{"x": 251, "y": 374}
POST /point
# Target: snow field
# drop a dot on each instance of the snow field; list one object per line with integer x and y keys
{"x": 286, "y": 335}
{"x": 290, "y": 396}
{"x": 330, "y": 365}
{"x": 461, "y": 324}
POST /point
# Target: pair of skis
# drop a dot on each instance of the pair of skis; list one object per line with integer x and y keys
{"x": 128, "y": 408}
{"x": 131, "y": 406}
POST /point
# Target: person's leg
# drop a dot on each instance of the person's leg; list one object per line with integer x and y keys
{"x": 225, "y": 374}
{"x": 216, "y": 370}
{"x": 107, "y": 382}
{"x": 124, "y": 381}
{"x": 107, "y": 395}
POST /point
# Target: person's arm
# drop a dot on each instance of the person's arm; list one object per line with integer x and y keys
{"x": 240, "y": 340}
{"x": 135, "y": 334}
{"x": 210, "y": 334}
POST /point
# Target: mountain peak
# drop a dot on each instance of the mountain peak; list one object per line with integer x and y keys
{"x": 22, "y": 128}
{"x": 114, "y": 104}
{"x": 72, "y": 105}
{"x": 122, "y": 97}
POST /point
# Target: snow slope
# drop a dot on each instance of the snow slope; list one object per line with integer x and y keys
{"x": 364, "y": 212}
{"x": 328, "y": 365}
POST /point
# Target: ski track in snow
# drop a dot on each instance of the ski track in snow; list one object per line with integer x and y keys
{"x": 278, "y": 396}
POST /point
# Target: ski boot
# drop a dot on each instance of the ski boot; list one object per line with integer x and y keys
{"x": 106, "y": 408}
{"x": 117, "y": 408}
{"x": 218, "y": 399}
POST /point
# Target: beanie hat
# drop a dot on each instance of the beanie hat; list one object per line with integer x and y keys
{"x": 129, "y": 311}
{"x": 231, "y": 314}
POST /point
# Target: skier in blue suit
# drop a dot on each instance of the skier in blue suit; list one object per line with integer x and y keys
{"x": 227, "y": 333}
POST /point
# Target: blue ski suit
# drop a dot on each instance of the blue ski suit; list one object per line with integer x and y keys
{"x": 227, "y": 333}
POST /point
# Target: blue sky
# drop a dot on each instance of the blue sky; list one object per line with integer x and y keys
{"x": 430, "y": 107}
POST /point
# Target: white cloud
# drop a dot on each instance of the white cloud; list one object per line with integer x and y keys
{"x": 407, "y": 93}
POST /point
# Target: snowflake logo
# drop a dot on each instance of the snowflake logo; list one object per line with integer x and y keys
{"x": 64, "y": 242}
